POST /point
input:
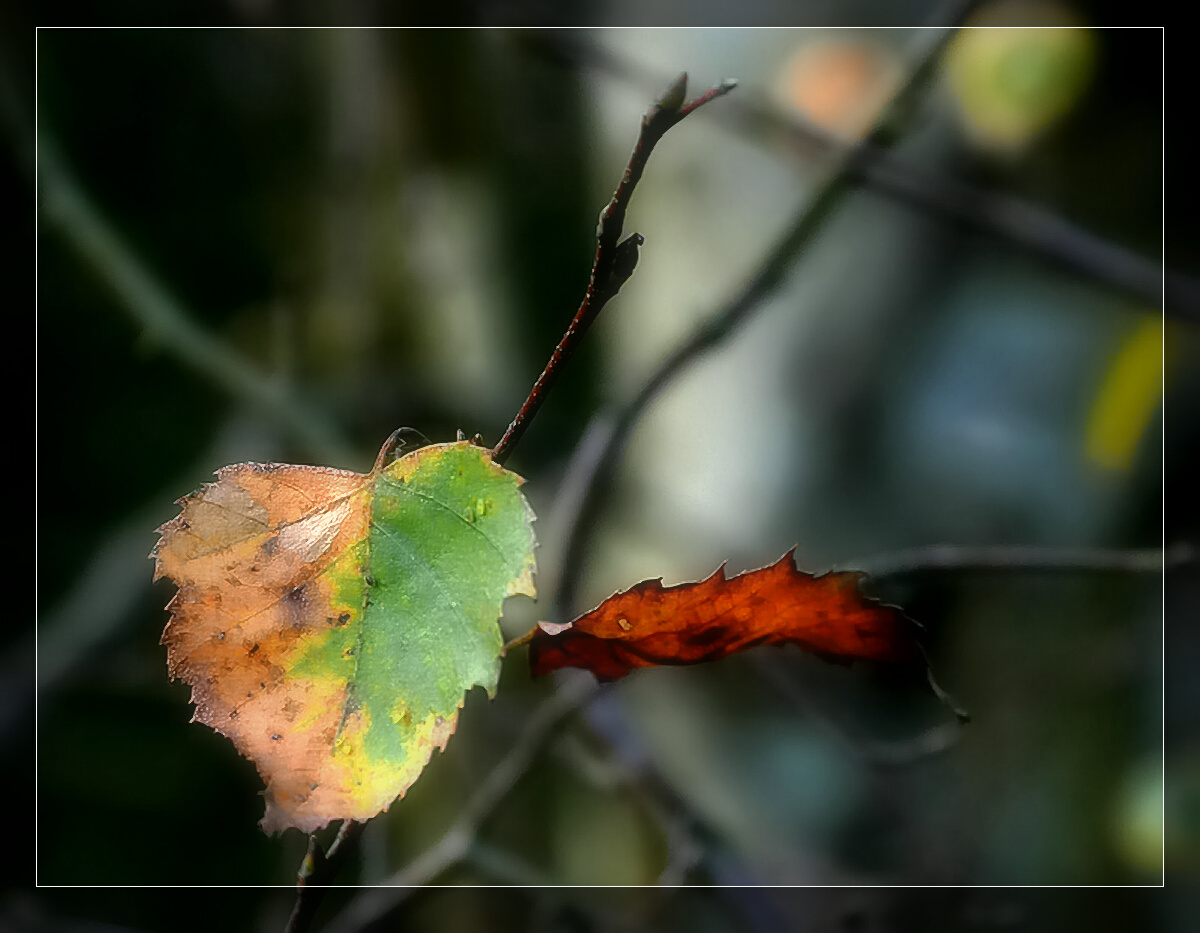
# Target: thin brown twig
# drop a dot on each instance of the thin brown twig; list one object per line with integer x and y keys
{"x": 1023, "y": 224}
{"x": 770, "y": 274}
{"x": 317, "y": 871}
{"x": 615, "y": 261}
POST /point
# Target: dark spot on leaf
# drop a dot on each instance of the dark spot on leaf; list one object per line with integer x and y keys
{"x": 294, "y": 603}
{"x": 343, "y": 618}
{"x": 370, "y": 580}
{"x": 313, "y": 786}
{"x": 233, "y": 714}
{"x": 269, "y": 546}
{"x": 707, "y": 636}
{"x": 220, "y": 636}
{"x": 254, "y": 649}
{"x": 262, "y": 686}
{"x": 276, "y": 737}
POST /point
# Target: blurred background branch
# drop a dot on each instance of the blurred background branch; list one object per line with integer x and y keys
{"x": 71, "y": 213}
{"x": 614, "y": 262}
{"x": 1043, "y": 233}
{"x": 950, "y": 557}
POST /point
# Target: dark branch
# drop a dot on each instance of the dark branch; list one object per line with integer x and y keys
{"x": 954, "y": 557}
{"x": 615, "y": 261}
{"x": 869, "y": 753}
{"x": 317, "y": 871}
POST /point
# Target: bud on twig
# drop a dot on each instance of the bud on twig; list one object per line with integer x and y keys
{"x": 673, "y": 99}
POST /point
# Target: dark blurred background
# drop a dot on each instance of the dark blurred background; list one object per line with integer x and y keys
{"x": 273, "y": 244}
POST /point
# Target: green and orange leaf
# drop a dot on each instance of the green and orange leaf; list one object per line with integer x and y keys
{"x": 649, "y": 624}
{"x": 330, "y": 622}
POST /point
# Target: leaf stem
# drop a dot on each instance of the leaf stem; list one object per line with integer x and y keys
{"x": 615, "y": 258}
{"x": 518, "y": 641}
{"x": 317, "y": 871}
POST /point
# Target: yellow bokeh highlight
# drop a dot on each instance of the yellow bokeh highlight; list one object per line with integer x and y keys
{"x": 1138, "y": 819}
{"x": 1129, "y": 394}
{"x": 1010, "y": 84}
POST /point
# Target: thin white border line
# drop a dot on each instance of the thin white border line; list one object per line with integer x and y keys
{"x": 37, "y": 471}
{"x": 239, "y": 28}
{"x": 1162, "y": 481}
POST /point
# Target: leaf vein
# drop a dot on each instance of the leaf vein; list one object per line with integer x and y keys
{"x": 271, "y": 529}
{"x": 420, "y": 495}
